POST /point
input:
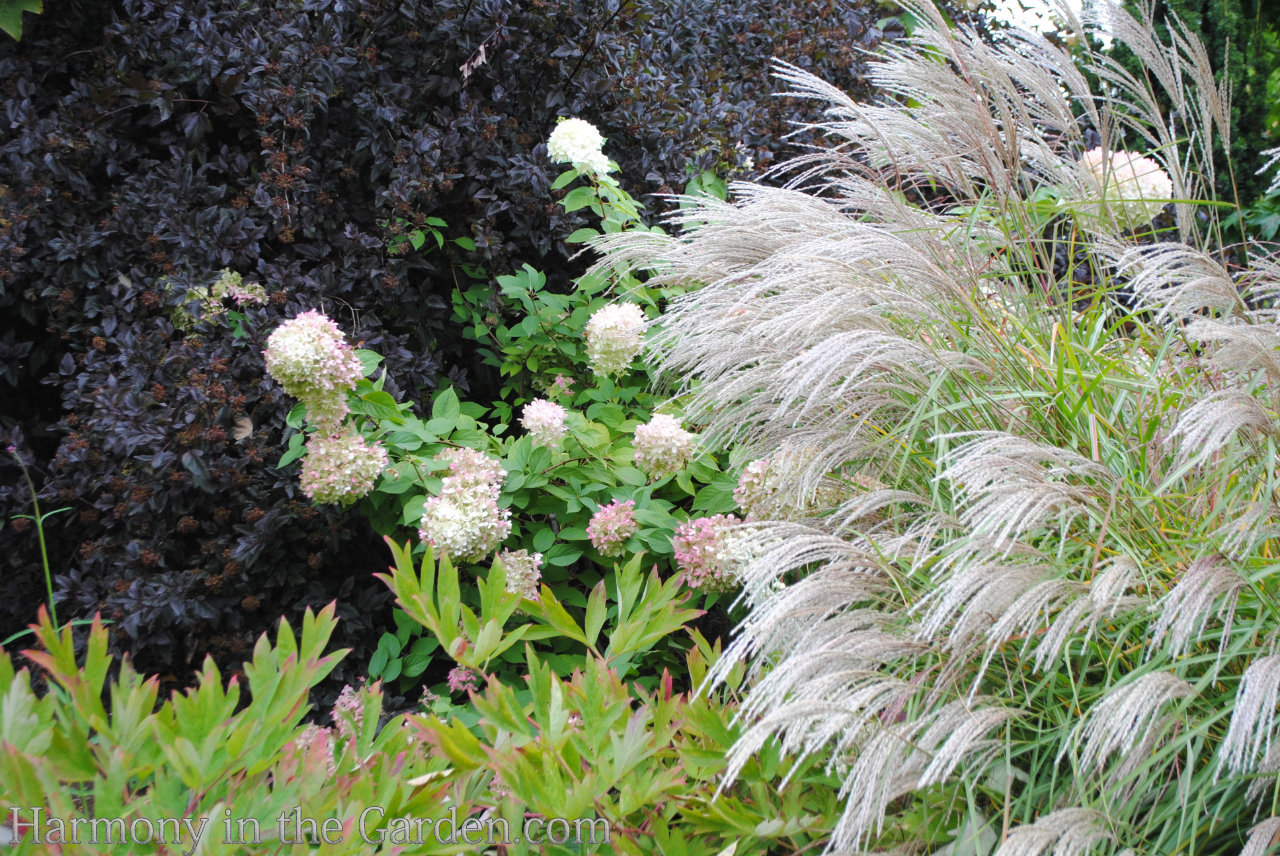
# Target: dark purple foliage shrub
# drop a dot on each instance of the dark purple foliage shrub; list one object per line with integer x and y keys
{"x": 146, "y": 145}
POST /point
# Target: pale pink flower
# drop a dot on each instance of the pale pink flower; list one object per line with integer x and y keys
{"x": 308, "y": 356}
{"x": 461, "y": 679}
{"x": 614, "y": 334}
{"x": 561, "y": 386}
{"x": 231, "y": 284}
{"x": 662, "y": 447}
{"x": 473, "y": 467}
{"x": 465, "y": 519}
{"x": 498, "y": 787}
{"x": 342, "y": 468}
{"x": 523, "y": 572}
{"x": 611, "y": 526}
{"x": 755, "y": 489}
{"x": 348, "y": 712}
{"x": 710, "y": 553}
{"x": 544, "y": 420}
{"x": 315, "y": 737}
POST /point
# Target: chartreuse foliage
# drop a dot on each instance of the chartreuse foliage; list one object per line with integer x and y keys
{"x": 635, "y": 768}
{"x": 594, "y": 743}
{"x": 90, "y": 748}
{"x": 11, "y": 14}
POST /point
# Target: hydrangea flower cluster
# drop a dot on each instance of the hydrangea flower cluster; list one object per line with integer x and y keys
{"x": 709, "y": 553}
{"x": 544, "y": 420}
{"x": 1136, "y": 188}
{"x": 755, "y": 490}
{"x": 759, "y": 492}
{"x": 614, "y": 334}
{"x": 577, "y": 141}
{"x": 561, "y": 386}
{"x": 662, "y": 447}
{"x": 231, "y": 284}
{"x": 461, "y": 680}
{"x": 524, "y": 571}
{"x": 611, "y": 526}
{"x": 308, "y": 356}
{"x": 341, "y": 468}
{"x": 465, "y": 520}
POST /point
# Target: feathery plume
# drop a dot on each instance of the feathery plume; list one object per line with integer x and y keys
{"x": 1252, "y": 730}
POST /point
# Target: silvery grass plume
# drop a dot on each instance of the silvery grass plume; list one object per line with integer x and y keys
{"x": 1038, "y": 598}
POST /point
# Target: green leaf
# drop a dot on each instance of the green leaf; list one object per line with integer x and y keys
{"x": 565, "y": 179}
{"x": 369, "y": 360}
{"x": 296, "y": 450}
{"x": 579, "y": 197}
{"x": 466, "y": 244}
{"x": 445, "y": 406}
{"x": 297, "y": 413}
{"x": 550, "y": 610}
{"x": 581, "y": 235}
{"x": 406, "y": 440}
{"x": 11, "y": 14}
{"x": 543, "y": 539}
{"x": 595, "y": 612}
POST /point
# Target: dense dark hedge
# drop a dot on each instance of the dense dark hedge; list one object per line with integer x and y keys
{"x": 146, "y": 145}
{"x": 1242, "y": 38}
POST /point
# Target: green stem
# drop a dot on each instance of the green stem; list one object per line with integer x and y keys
{"x": 44, "y": 550}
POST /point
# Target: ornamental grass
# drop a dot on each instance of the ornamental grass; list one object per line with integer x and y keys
{"x": 1041, "y": 614}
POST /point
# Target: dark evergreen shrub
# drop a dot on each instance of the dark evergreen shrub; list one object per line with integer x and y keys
{"x": 147, "y": 145}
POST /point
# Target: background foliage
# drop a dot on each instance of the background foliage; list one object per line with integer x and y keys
{"x": 1242, "y": 38}
{"x": 150, "y": 145}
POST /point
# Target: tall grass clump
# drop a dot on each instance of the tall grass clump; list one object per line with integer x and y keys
{"x": 1040, "y": 614}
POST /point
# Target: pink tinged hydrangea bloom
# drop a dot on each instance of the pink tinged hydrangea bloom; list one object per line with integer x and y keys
{"x": 231, "y": 284}
{"x": 662, "y": 447}
{"x": 577, "y": 141}
{"x": 308, "y": 356}
{"x": 523, "y": 572}
{"x": 755, "y": 489}
{"x": 465, "y": 520}
{"x": 1135, "y": 188}
{"x": 611, "y": 526}
{"x": 561, "y": 386}
{"x": 544, "y": 420}
{"x": 614, "y": 334}
{"x": 342, "y": 468}
{"x": 475, "y": 468}
{"x": 461, "y": 679}
{"x": 708, "y": 553}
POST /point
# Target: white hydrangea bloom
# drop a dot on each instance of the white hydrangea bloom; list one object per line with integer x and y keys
{"x": 662, "y": 447}
{"x": 577, "y": 141}
{"x": 1135, "y": 188}
{"x": 614, "y": 334}
{"x": 523, "y": 572}
{"x": 465, "y": 518}
{"x": 341, "y": 468}
{"x": 544, "y": 420}
{"x": 309, "y": 357}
